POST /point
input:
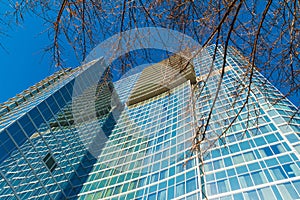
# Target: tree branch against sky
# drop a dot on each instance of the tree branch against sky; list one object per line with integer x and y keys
{"x": 266, "y": 32}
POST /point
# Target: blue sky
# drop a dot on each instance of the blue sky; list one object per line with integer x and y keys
{"x": 23, "y": 62}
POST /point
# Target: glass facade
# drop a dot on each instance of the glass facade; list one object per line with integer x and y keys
{"x": 250, "y": 149}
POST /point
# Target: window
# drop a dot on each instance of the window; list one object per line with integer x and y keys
{"x": 50, "y": 162}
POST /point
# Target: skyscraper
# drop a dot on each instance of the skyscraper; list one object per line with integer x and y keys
{"x": 146, "y": 136}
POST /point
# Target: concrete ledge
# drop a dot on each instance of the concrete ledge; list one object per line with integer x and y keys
{"x": 161, "y": 77}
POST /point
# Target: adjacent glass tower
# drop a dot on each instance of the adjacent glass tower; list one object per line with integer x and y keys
{"x": 172, "y": 131}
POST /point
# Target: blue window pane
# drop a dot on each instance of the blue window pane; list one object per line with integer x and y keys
{"x": 266, "y": 193}
{"x": 238, "y": 196}
{"x": 191, "y": 185}
{"x": 52, "y": 104}
{"x": 234, "y": 184}
{"x": 45, "y": 110}
{"x": 271, "y": 138}
{"x": 277, "y": 173}
{"x": 275, "y": 149}
{"x": 142, "y": 182}
{"x": 163, "y": 174}
{"x": 276, "y": 192}
{"x": 180, "y": 178}
{"x": 273, "y": 127}
{"x": 170, "y": 192}
{"x": 265, "y": 129}
{"x": 258, "y": 177}
{"x": 241, "y": 169}
{"x": 162, "y": 185}
{"x": 267, "y": 173}
{"x": 190, "y": 174}
{"x": 225, "y": 151}
{"x": 220, "y": 175}
{"x": 266, "y": 152}
{"x": 291, "y": 170}
{"x": 216, "y": 153}
{"x": 171, "y": 171}
{"x": 253, "y": 166}
{"x": 27, "y": 125}
{"x": 218, "y": 164}
{"x": 245, "y": 145}
{"x": 223, "y": 186}
{"x": 286, "y": 147}
{"x": 257, "y": 154}
{"x": 192, "y": 197}
{"x": 227, "y": 161}
{"x": 251, "y": 195}
{"x": 162, "y": 195}
{"x": 271, "y": 162}
{"x": 153, "y": 188}
{"x": 190, "y": 164}
{"x": 154, "y": 178}
{"x": 152, "y": 196}
{"x": 278, "y": 136}
{"x": 259, "y": 141}
{"x": 208, "y": 167}
{"x": 5, "y": 148}
{"x": 238, "y": 159}
{"x": 284, "y": 159}
{"x": 288, "y": 191}
{"x": 231, "y": 172}
{"x": 234, "y": 148}
{"x": 17, "y": 134}
{"x": 171, "y": 182}
{"x": 245, "y": 181}
{"x": 59, "y": 99}
{"x": 67, "y": 91}
{"x": 179, "y": 189}
{"x": 211, "y": 188}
